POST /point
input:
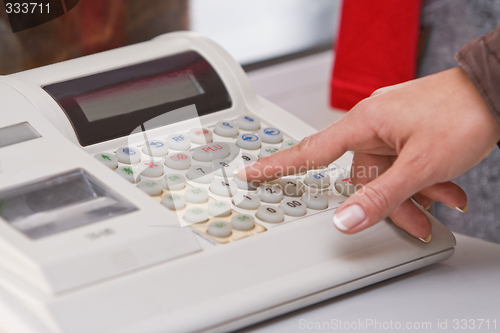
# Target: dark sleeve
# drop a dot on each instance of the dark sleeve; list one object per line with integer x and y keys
{"x": 480, "y": 58}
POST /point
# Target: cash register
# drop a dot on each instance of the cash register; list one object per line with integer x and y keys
{"x": 120, "y": 210}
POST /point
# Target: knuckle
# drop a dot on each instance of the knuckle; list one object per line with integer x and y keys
{"x": 380, "y": 197}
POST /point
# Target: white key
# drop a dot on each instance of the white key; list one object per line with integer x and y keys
{"x": 292, "y": 187}
{"x": 267, "y": 151}
{"x": 152, "y": 169}
{"x": 293, "y": 207}
{"x": 248, "y": 141}
{"x": 271, "y": 135}
{"x": 270, "y": 193}
{"x": 270, "y": 214}
{"x": 200, "y": 174}
{"x": 196, "y": 215}
{"x": 227, "y": 128}
{"x": 128, "y": 155}
{"x": 315, "y": 201}
{"x": 178, "y": 142}
{"x": 174, "y": 181}
{"x": 129, "y": 174}
{"x": 344, "y": 186}
{"x": 246, "y": 200}
{"x": 248, "y": 123}
{"x": 151, "y": 187}
{"x": 109, "y": 160}
{"x": 288, "y": 143}
{"x": 219, "y": 229}
{"x": 317, "y": 178}
{"x": 201, "y": 136}
{"x": 244, "y": 185}
{"x": 243, "y": 222}
{"x": 245, "y": 158}
{"x": 155, "y": 148}
{"x": 196, "y": 195}
{"x": 219, "y": 209}
{"x": 223, "y": 168}
{"x": 223, "y": 187}
{"x": 178, "y": 161}
{"x": 210, "y": 152}
{"x": 173, "y": 201}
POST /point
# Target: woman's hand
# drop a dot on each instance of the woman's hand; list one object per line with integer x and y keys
{"x": 419, "y": 135}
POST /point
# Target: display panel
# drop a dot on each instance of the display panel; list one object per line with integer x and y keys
{"x": 112, "y": 104}
{"x": 63, "y": 202}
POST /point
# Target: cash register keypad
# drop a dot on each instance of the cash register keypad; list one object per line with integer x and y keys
{"x": 192, "y": 174}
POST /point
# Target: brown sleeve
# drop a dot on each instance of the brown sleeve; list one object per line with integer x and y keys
{"x": 480, "y": 58}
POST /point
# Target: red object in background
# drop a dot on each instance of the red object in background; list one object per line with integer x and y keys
{"x": 376, "y": 47}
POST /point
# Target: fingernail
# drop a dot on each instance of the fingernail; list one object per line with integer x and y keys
{"x": 349, "y": 217}
{"x": 463, "y": 209}
{"x": 426, "y": 240}
{"x": 427, "y": 208}
{"x": 240, "y": 171}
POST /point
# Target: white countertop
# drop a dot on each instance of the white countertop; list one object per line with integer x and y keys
{"x": 462, "y": 292}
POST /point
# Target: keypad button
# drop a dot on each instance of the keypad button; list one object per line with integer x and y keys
{"x": 317, "y": 178}
{"x": 152, "y": 169}
{"x": 270, "y": 193}
{"x": 178, "y": 161}
{"x": 195, "y": 215}
{"x": 292, "y": 187}
{"x": 244, "y": 158}
{"x": 227, "y": 128}
{"x": 223, "y": 168}
{"x": 243, "y": 222}
{"x": 244, "y": 185}
{"x": 293, "y": 207}
{"x": 155, "y": 148}
{"x": 201, "y": 136}
{"x": 315, "y": 201}
{"x": 128, "y": 155}
{"x": 178, "y": 142}
{"x": 270, "y": 214}
{"x": 151, "y": 187}
{"x": 219, "y": 209}
{"x": 174, "y": 182}
{"x": 271, "y": 135}
{"x": 200, "y": 174}
{"x": 219, "y": 229}
{"x": 210, "y": 152}
{"x": 267, "y": 151}
{"x": 288, "y": 143}
{"x": 344, "y": 186}
{"x": 223, "y": 187}
{"x": 248, "y": 123}
{"x": 109, "y": 160}
{"x": 174, "y": 201}
{"x": 129, "y": 174}
{"x": 196, "y": 195}
{"x": 246, "y": 200}
{"x": 248, "y": 141}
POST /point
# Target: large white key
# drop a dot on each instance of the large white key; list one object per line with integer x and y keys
{"x": 227, "y": 128}
{"x": 270, "y": 214}
{"x": 248, "y": 123}
{"x": 178, "y": 142}
{"x": 155, "y": 148}
{"x": 109, "y": 160}
{"x": 210, "y": 152}
{"x": 128, "y": 155}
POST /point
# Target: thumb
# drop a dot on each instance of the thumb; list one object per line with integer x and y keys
{"x": 376, "y": 200}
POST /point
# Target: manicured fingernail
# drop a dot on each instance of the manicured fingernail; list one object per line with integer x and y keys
{"x": 463, "y": 209}
{"x": 349, "y": 217}
{"x": 427, "y": 208}
{"x": 426, "y": 240}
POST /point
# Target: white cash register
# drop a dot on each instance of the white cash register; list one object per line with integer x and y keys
{"x": 119, "y": 210}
